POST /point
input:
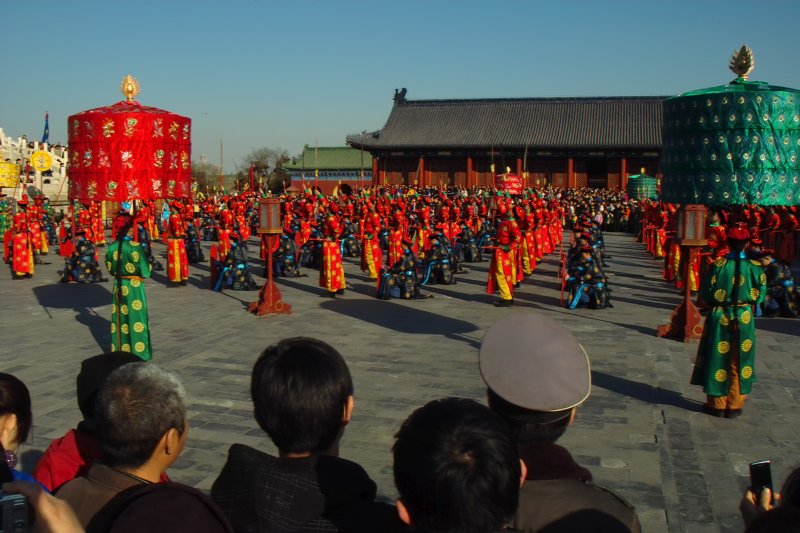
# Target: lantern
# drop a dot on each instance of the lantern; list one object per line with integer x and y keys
{"x": 269, "y": 216}
{"x": 692, "y": 225}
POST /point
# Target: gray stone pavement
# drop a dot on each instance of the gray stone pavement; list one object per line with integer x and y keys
{"x": 640, "y": 432}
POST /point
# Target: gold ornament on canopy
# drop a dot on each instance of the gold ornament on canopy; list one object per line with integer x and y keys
{"x": 129, "y": 87}
{"x": 742, "y": 62}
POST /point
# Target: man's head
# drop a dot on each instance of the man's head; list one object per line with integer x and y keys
{"x": 537, "y": 374}
{"x": 302, "y": 394}
{"x": 141, "y": 415}
{"x": 456, "y": 468}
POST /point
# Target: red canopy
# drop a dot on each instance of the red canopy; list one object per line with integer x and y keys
{"x": 128, "y": 151}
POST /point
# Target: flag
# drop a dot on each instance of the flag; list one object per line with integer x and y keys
{"x": 46, "y": 134}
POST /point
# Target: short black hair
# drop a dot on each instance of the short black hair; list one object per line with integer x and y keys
{"x": 527, "y": 426}
{"x": 16, "y": 399}
{"x": 456, "y": 468}
{"x": 300, "y": 387}
{"x": 136, "y": 405}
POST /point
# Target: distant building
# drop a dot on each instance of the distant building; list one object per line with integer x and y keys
{"x": 577, "y": 142}
{"x": 329, "y": 168}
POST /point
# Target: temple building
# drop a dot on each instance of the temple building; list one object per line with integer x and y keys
{"x": 329, "y": 169}
{"x": 575, "y": 142}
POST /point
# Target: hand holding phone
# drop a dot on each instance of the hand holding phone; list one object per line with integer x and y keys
{"x": 760, "y": 479}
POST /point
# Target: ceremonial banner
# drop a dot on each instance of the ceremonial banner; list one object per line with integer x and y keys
{"x": 9, "y": 174}
{"x": 41, "y": 161}
{"x": 510, "y": 183}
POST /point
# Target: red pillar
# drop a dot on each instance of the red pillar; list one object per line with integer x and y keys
{"x": 421, "y": 177}
{"x": 570, "y": 172}
{"x": 375, "y": 173}
{"x": 519, "y": 170}
{"x": 469, "y": 171}
{"x": 623, "y": 175}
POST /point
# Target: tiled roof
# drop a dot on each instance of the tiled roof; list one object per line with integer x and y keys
{"x": 330, "y": 158}
{"x": 578, "y": 123}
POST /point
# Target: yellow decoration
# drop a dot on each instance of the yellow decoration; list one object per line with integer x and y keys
{"x": 113, "y": 327}
{"x": 115, "y": 255}
{"x": 125, "y": 290}
{"x": 126, "y": 347}
{"x": 747, "y": 372}
{"x": 762, "y": 279}
{"x": 135, "y": 256}
{"x": 130, "y": 88}
{"x": 746, "y": 317}
{"x": 124, "y": 309}
{"x": 139, "y": 347}
{"x": 747, "y": 345}
{"x": 719, "y": 295}
{"x": 721, "y": 375}
{"x": 724, "y": 321}
{"x": 755, "y": 293}
{"x": 138, "y": 327}
{"x": 135, "y": 283}
{"x": 130, "y": 268}
{"x": 723, "y": 347}
{"x": 714, "y": 279}
{"x": 137, "y": 305}
{"x": 125, "y": 329}
{"x": 113, "y": 308}
{"x": 9, "y": 174}
{"x": 41, "y": 161}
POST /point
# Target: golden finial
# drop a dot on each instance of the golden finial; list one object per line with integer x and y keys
{"x": 742, "y": 62}
{"x": 642, "y": 170}
{"x": 129, "y": 87}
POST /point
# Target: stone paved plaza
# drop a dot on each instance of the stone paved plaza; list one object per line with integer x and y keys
{"x": 640, "y": 432}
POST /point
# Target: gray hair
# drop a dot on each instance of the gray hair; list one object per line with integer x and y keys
{"x": 136, "y": 405}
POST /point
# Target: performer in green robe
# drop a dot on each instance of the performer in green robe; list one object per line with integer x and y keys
{"x": 725, "y": 364}
{"x": 128, "y": 264}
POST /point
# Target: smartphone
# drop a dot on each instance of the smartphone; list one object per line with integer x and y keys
{"x": 760, "y": 478}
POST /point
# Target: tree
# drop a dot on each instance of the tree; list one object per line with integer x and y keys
{"x": 206, "y": 175}
{"x": 268, "y": 166}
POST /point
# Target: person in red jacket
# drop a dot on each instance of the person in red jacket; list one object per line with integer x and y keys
{"x": 503, "y": 269}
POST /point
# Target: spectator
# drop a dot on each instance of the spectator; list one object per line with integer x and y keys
{"x": 71, "y": 456}
{"x": 752, "y": 507}
{"x": 456, "y": 469}
{"x": 16, "y": 419}
{"x": 302, "y": 396}
{"x": 537, "y": 375}
{"x": 141, "y": 427}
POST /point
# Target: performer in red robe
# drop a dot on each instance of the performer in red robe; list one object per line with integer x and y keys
{"x": 331, "y": 273}
{"x": 371, "y": 254}
{"x": 18, "y": 245}
{"x": 502, "y": 271}
{"x": 177, "y": 263}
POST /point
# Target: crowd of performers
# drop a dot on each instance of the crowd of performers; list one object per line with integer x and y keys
{"x": 404, "y": 240}
{"x": 773, "y": 242}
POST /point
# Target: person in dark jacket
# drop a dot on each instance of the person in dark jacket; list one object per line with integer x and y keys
{"x": 302, "y": 396}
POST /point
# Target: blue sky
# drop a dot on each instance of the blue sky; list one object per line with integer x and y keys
{"x": 286, "y": 73}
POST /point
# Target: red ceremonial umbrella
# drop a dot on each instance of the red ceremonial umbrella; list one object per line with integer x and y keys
{"x": 128, "y": 151}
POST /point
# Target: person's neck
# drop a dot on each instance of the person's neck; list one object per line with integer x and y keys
{"x": 147, "y": 473}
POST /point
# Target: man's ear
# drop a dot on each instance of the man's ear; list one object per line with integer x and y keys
{"x": 402, "y": 512}
{"x": 348, "y": 409}
{"x": 523, "y": 472}
{"x": 171, "y": 442}
{"x": 8, "y": 429}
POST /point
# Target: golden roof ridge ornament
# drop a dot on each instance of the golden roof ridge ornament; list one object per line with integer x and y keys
{"x": 129, "y": 87}
{"x": 742, "y": 62}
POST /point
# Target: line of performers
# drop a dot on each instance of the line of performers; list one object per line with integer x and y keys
{"x": 774, "y": 239}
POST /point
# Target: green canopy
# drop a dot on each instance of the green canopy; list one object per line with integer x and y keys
{"x": 733, "y": 144}
{"x": 642, "y": 187}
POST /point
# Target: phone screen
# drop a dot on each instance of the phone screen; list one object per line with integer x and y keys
{"x": 760, "y": 478}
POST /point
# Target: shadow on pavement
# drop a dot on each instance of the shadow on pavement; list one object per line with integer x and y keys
{"x": 787, "y": 326}
{"x": 642, "y": 391}
{"x": 82, "y": 298}
{"x": 401, "y": 318}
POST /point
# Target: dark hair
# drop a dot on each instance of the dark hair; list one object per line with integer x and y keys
{"x": 527, "y": 426}
{"x": 300, "y": 387}
{"x": 456, "y": 468}
{"x": 790, "y": 492}
{"x": 16, "y": 399}
{"x": 137, "y": 403}
{"x": 783, "y": 519}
